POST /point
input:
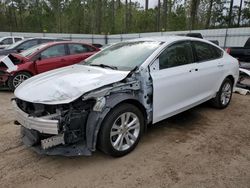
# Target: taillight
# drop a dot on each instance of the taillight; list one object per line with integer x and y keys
{"x": 228, "y": 50}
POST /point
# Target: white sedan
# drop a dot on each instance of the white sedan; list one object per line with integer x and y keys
{"x": 107, "y": 101}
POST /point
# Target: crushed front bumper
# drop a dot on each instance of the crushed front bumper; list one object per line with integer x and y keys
{"x": 43, "y": 135}
{"x": 44, "y": 124}
{"x": 29, "y": 137}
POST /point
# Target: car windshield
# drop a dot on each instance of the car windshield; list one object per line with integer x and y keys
{"x": 124, "y": 56}
{"x": 32, "y": 50}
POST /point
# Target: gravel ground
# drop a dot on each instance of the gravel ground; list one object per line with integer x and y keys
{"x": 203, "y": 147}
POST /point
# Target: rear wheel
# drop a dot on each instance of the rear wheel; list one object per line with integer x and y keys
{"x": 121, "y": 130}
{"x": 224, "y": 95}
{"x": 17, "y": 79}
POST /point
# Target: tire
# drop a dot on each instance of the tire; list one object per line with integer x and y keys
{"x": 123, "y": 139}
{"x": 224, "y": 95}
{"x": 15, "y": 80}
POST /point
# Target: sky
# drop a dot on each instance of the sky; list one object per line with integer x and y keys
{"x": 153, "y": 3}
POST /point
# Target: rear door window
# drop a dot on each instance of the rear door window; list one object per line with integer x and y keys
{"x": 176, "y": 55}
{"x": 17, "y": 39}
{"x": 54, "y": 51}
{"x": 77, "y": 49}
{"x": 205, "y": 51}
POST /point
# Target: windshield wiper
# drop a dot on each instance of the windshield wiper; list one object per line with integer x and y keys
{"x": 105, "y": 66}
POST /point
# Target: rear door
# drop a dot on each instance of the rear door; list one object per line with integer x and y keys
{"x": 175, "y": 83}
{"x": 51, "y": 58}
{"x": 210, "y": 66}
{"x": 79, "y": 52}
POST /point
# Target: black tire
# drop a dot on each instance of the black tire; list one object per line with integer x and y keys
{"x": 217, "y": 102}
{"x": 12, "y": 80}
{"x": 105, "y": 140}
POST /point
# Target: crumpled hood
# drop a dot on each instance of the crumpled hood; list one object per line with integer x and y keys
{"x": 8, "y": 63}
{"x": 66, "y": 84}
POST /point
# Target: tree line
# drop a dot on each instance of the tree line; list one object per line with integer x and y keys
{"x": 120, "y": 16}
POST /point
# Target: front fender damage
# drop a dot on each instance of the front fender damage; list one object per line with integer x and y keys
{"x": 81, "y": 120}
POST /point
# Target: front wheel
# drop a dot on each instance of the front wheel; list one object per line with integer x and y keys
{"x": 121, "y": 130}
{"x": 224, "y": 95}
{"x": 17, "y": 79}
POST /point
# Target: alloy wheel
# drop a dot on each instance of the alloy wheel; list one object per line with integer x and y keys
{"x": 18, "y": 79}
{"x": 226, "y": 93}
{"x": 125, "y": 131}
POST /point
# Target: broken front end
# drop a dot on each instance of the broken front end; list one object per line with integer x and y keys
{"x": 45, "y": 126}
{"x": 72, "y": 129}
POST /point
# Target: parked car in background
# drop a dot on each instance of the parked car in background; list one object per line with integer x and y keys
{"x": 107, "y": 101}
{"x": 97, "y": 45}
{"x": 6, "y": 41}
{"x": 241, "y": 53}
{"x": 199, "y": 35}
{"x": 15, "y": 68}
{"x": 25, "y": 44}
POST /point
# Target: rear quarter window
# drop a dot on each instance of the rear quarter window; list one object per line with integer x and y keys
{"x": 18, "y": 39}
{"x": 205, "y": 51}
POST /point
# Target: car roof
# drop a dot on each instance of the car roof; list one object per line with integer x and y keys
{"x": 11, "y": 37}
{"x": 52, "y": 43}
{"x": 46, "y": 38}
{"x": 66, "y": 42}
{"x": 166, "y": 38}
{"x": 172, "y": 38}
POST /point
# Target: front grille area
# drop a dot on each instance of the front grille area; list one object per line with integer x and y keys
{"x": 38, "y": 110}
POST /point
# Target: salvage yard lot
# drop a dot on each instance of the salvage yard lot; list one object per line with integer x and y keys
{"x": 202, "y": 147}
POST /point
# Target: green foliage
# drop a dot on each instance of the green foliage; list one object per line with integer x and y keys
{"x": 112, "y": 16}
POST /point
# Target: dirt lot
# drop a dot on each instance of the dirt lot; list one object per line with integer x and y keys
{"x": 202, "y": 147}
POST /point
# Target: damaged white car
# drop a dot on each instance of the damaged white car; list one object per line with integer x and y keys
{"x": 107, "y": 101}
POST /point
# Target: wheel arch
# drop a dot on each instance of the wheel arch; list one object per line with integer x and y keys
{"x": 136, "y": 103}
{"x": 10, "y": 78}
{"x": 97, "y": 118}
{"x": 25, "y": 71}
{"x": 230, "y": 77}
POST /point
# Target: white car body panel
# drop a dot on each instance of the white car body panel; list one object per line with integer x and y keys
{"x": 180, "y": 88}
{"x": 13, "y": 41}
{"x": 66, "y": 84}
{"x": 90, "y": 93}
{"x": 174, "y": 89}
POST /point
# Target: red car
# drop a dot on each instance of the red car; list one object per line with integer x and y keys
{"x": 15, "y": 68}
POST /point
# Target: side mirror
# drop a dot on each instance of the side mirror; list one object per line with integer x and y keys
{"x": 154, "y": 66}
{"x": 38, "y": 58}
{"x": 19, "y": 50}
{"x": 1, "y": 43}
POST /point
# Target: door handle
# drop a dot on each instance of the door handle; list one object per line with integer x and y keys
{"x": 191, "y": 70}
{"x": 220, "y": 65}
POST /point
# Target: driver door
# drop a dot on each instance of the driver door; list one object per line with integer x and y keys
{"x": 51, "y": 58}
{"x": 175, "y": 81}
